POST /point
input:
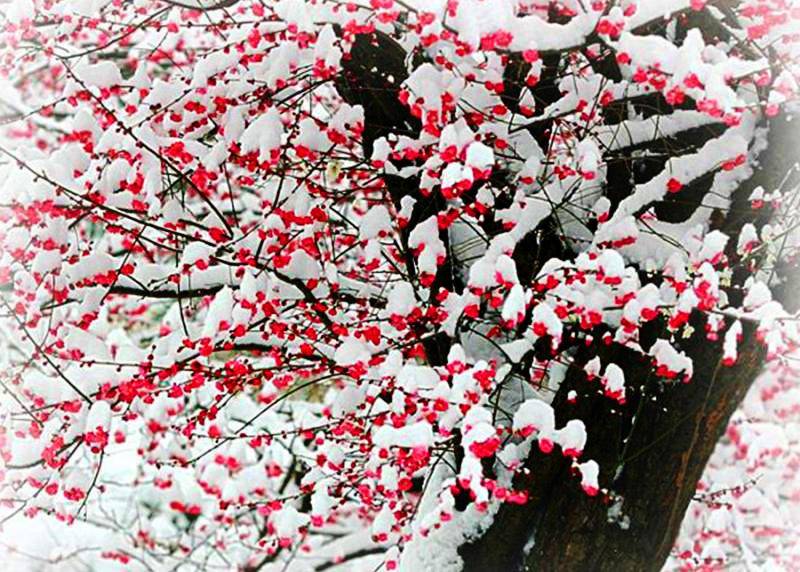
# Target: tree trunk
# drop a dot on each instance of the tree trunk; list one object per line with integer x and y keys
{"x": 669, "y": 441}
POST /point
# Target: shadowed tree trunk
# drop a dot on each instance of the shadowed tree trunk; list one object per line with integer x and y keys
{"x": 656, "y": 446}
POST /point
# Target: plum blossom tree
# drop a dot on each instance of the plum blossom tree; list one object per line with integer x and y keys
{"x": 399, "y": 284}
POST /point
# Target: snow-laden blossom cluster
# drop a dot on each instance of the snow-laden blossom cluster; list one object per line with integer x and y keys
{"x": 296, "y": 284}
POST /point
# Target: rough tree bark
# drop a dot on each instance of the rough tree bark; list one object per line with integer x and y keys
{"x": 652, "y": 451}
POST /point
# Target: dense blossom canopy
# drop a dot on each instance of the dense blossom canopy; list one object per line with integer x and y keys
{"x": 293, "y": 284}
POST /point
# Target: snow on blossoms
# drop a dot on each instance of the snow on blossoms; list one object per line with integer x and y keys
{"x": 315, "y": 285}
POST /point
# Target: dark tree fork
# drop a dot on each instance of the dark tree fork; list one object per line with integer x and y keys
{"x": 652, "y": 451}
